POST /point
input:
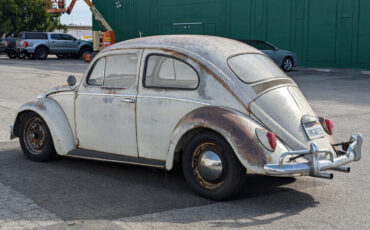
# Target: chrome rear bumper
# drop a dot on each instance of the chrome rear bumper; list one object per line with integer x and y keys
{"x": 315, "y": 166}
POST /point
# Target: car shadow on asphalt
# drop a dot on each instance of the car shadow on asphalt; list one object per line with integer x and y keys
{"x": 75, "y": 189}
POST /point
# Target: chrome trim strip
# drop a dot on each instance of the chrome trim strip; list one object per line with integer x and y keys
{"x": 57, "y": 94}
{"x": 106, "y": 94}
{"x": 173, "y": 98}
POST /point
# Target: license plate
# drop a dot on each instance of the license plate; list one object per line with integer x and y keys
{"x": 314, "y": 130}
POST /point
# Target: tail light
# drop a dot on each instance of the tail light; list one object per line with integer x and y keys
{"x": 327, "y": 124}
{"x": 272, "y": 139}
{"x": 25, "y": 44}
{"x": 6, "y": 43}
{"x": 267, "y": 139}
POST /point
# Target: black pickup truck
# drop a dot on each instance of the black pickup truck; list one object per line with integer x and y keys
{"x": 8, "y": 46}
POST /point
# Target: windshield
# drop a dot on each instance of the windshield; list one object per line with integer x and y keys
{"x": 251, "y": 68}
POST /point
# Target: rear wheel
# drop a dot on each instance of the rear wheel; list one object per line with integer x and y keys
{"x": 287, "y": 64}
{"x": 211, "y": 168}
{"x": 12, "y": 54}
{"x": 35, "y": 138}
{"x": 41, "y": 53}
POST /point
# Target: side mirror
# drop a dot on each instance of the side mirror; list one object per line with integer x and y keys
{"x": 276, "y": 49}
{"x": 71, "y": 81}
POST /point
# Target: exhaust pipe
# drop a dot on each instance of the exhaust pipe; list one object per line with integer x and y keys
{"x": 324, "y": 175}
{"x": 344, "y": 169}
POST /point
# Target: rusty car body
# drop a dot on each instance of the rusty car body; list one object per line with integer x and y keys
{"x": 216, "y": 105}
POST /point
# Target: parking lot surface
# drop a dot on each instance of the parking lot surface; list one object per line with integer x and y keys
{"x": 79, "y": 194}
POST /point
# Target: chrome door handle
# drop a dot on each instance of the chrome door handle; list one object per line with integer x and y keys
{"x": 128, "y": 100}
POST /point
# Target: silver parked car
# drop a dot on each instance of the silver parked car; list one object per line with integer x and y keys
{"x": 284, "y": 58}
{"x": 214, "y": 105}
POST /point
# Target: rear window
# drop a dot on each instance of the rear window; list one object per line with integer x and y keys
{"x": 251, "y": 68}
{"x": 36, "y": 36}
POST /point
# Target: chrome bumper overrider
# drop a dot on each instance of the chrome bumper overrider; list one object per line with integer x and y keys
{"x": 315, "y": 166}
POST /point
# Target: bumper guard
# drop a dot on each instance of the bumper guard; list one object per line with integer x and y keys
{"x": 315, "y": 166}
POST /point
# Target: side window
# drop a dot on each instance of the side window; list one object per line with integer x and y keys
{"x": 56, "y": 36}
{"x": 169, "y": 72}
{"x": 67, "y": 37}
{"x": 97, "y": 74}
{"x": 121, "y": 70}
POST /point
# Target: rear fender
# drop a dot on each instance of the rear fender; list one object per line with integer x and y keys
{"x": 235, "y": 127}
{"x": 56, "y": 120}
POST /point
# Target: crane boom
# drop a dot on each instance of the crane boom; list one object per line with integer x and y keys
{"x": 97, "y": 15}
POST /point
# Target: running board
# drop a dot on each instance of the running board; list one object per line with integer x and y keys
{"x": 115, "y": 158}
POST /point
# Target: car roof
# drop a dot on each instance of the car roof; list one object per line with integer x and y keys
{"x": 208, "y": 47}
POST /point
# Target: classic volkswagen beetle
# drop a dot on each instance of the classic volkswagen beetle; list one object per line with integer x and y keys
{"x": 216, "y": 105}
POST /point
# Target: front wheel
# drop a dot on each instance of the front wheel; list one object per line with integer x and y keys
{"x": 211, "y": 168}
{"x": 287, "y": 64}
{"x": 35, "y": 138}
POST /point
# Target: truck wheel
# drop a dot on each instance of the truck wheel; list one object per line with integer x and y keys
{"x": 12, "y": 54}
{"x": 211, "y": 168}
{"x": 41, "y": 53}
{"x": 22, "y": 55}
{"x": 35, "y": 138}
{"x": 84, "y": 52}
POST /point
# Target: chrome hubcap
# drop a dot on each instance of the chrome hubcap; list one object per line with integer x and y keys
{"x": 210, "y": 166}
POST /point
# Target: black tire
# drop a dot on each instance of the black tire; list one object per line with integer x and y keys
{"x": 35, "y": 138}
{"x": 84, "y": 52}
{"x": 232, "y": 176}
{"x": 287, "y": 64}
{"x": 22, "y": 55}
{"x": 12, "y": 54}
{"x": 41, "y": 53}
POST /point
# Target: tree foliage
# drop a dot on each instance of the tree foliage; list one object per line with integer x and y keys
{"x": 26, "y": 15}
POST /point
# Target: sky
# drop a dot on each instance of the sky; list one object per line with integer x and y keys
{"x": 81, "y": 14}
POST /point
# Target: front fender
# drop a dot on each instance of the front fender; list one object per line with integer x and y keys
{"x": 235, "y": 127}
{"x": 56, "y": 121}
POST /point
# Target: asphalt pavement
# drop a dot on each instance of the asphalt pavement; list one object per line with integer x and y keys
{"x": 79, "y": 194}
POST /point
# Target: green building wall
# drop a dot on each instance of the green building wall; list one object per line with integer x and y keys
{"x": 323, "y": 33}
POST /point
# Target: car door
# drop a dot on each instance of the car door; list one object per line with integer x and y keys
{"x": 70, "y": 43}
{"x": 56, "y": 43}
{"x": 105, "y": 106}
{"x": 167, "y": 92}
